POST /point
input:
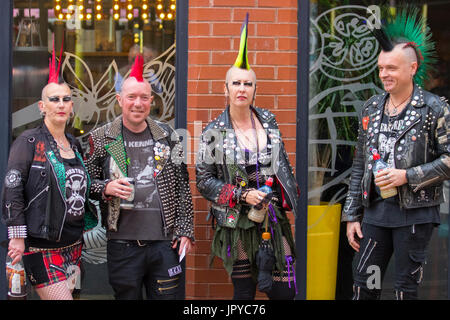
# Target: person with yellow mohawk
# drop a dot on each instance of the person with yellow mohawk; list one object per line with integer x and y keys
{"x": 241, "y": 151}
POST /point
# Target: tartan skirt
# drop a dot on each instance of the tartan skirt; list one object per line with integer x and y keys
{"x": 45, "y": 267}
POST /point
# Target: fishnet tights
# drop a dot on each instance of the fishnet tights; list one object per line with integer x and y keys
{"x": 57, "y": 291}
{"x": 241, "y": 268}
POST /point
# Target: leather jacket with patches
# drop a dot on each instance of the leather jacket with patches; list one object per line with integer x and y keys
{"x": 107, "y": 160}
{"x": 34, "y": 193}
{"x": 422, "y": 147}
{"x": 220, "y": 169}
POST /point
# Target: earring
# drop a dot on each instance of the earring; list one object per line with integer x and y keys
{"x": 42, "y": 113}
{"x": 72, "y": 114}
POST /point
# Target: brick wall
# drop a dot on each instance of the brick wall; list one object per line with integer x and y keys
{"x": 214, "y": 29}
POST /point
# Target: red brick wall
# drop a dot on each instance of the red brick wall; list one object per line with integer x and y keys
{"x": 214, "y": 29}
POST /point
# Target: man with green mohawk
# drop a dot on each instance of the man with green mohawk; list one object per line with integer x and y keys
{"x": 241, "y": 151}
{"x": 408, "y": 128}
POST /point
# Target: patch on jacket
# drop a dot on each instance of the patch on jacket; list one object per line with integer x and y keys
{"x": 13, "y": 178}
{"x": 174, "y": 271}
{"x": 225, "y": 194}
{"x": 39, "y": 154}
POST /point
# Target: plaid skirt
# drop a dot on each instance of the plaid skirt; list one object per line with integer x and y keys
{"x": 45, "y": 267}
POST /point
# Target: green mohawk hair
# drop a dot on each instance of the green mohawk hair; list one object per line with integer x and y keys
{"x": 242, "y": 58}
{"x": 410, "y": 28}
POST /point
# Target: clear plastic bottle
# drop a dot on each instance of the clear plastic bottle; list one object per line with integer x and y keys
{"x": 257, "y": 215}
{"x": 379, "y": 166}
{"x": 15, "y": 277}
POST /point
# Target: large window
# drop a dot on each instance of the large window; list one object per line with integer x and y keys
{"x": 99, "y": 39}
{"x": 343, "y": 75}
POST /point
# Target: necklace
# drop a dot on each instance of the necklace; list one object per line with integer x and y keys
{"x": 252, "y": 144}
{"x": 257, "y": 145}
{"x": 60, "y": 145}
{"x": 394, "y": 112}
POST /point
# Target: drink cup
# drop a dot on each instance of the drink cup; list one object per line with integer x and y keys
{"x": 128, "y": 204}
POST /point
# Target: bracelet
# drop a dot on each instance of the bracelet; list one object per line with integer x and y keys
{"x": 17, "y": 232}
{"x": 245, "y": 194}
{"x": 237, "y": 194}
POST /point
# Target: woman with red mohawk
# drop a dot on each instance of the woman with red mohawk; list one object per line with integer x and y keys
{"x": 44, "y": 196}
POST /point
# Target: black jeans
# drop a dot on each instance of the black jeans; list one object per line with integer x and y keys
{"x": 153, "y": 266}
{"x": 408, "y": 244}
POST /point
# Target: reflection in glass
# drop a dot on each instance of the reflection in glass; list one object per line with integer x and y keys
{"x": 100, "y": 40}
{"x": 343, "y": 75}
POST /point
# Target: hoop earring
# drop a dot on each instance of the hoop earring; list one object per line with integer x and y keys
{"x": 42, "y": 113}
{"x": 72, "y": 114}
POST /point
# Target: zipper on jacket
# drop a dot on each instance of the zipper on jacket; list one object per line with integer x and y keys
{"x": 398, "y": 189}
{"x": 425, "y": 183}
{"x": 426, "y": 147}
{"x": 8, "y": 207}
{"x": 36, "y": 196}
{"x": 162, "y": 209}
{"x": 62, "y": 196}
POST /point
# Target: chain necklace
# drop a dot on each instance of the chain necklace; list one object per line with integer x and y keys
{"x": 257, "y": 145}
{"x": 394, "y": 112}
{"x": 60, "y": 145}
{"x": 252, "y": 144}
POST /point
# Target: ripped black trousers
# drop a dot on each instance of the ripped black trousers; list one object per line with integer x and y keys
{"x": 408, "y": 244}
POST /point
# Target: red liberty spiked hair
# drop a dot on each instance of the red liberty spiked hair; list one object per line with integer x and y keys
{"x": 53, "y": 73}
{"x": 138, "y": 68}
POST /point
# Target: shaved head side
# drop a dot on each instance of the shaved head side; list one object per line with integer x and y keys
{"x": 410, "y": 52}
{"x": 130, "y": 81}
{"x": 233, "y": 68}
{"x": 45, "y": 89}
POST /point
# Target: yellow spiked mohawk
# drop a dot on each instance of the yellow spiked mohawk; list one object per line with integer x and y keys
{"x": 242, "y": 58}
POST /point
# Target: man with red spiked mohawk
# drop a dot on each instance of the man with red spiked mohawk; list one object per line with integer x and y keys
{"x": 393, "y": 211}
{"x": 44, "y": 196}
{"x": 143, "y": 187}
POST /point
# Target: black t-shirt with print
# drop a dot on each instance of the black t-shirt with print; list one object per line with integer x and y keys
{"x": 76, "y": 185}
{"x": 144, "y": 222}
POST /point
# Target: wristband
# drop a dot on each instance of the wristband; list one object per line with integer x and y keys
{"x": 17, "y": 232}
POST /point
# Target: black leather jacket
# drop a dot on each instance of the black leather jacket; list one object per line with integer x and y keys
{"x": 33, "y": 192}
{"x": 421, "y": 147}
{"x": 215, "y": 176}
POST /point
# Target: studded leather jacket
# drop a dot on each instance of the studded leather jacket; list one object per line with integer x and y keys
{"x": 422, "y": 147}
{"x": 220, "y": 172}
{"x": 107, "y": 160}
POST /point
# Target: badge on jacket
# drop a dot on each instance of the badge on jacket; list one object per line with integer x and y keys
{"x": 365, "y": 122}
